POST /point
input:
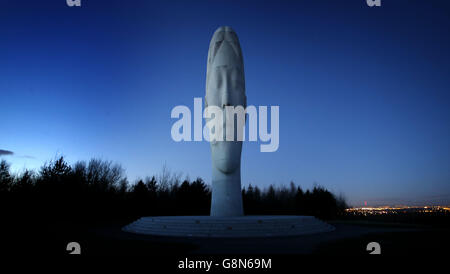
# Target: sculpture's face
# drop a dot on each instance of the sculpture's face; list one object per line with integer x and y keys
{"x": 225, "y": 86}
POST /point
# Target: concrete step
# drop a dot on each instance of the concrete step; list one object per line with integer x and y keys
{"x": 248, "y": 226}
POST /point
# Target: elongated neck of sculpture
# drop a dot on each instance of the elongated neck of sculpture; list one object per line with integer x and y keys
{"x": 226, "y": 193}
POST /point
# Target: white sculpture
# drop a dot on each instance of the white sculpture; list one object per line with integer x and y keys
{"x": 225, "y": 86}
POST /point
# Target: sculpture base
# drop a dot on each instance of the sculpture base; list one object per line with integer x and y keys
{"x": 245, "y": 226}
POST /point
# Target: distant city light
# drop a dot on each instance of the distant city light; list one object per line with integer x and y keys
{"x": 395, "y": 210}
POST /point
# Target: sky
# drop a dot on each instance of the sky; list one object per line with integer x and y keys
{"x": 363, "y": 92}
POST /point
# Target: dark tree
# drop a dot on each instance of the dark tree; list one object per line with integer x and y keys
{"x": 5, "y": 177}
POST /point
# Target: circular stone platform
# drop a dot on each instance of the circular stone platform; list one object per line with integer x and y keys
{"x": 245, "y": 226}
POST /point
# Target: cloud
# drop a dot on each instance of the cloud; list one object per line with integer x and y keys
{"x": 5, "y": 152}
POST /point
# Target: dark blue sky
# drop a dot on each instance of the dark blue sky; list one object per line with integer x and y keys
{"x": 363, "y": 92}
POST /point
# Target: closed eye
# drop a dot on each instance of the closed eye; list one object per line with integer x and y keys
{"x": 216, "y": 47}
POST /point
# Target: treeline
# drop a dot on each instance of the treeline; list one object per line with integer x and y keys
{"x": 99, "y": 190}
{"x": 294, "y": 200}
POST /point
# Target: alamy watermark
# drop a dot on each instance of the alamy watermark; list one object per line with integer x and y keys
{"x": 73, "y": 248}
{"x": 227, "y": 124}
{"x": 77, "y": 3}
{"x": 73, "y": 3}
{"x": 373, "y": 3}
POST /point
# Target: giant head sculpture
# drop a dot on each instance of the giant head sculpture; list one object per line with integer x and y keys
{"x": 225, "y": 88}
